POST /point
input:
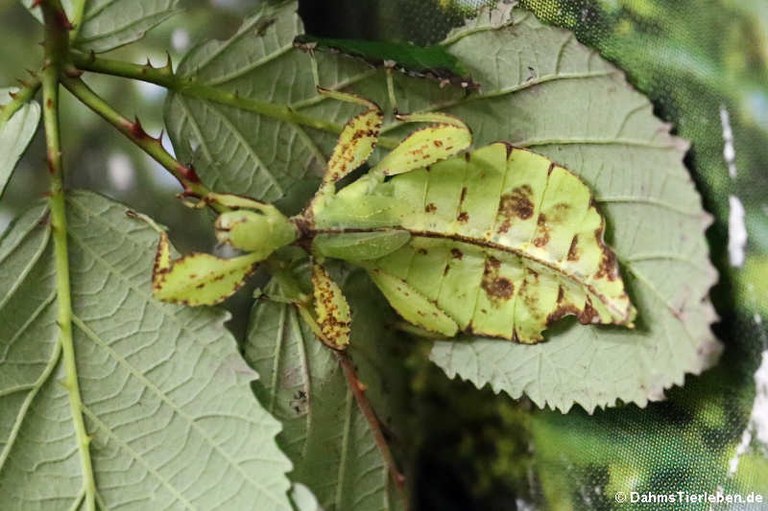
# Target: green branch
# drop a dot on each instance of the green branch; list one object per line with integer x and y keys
{"x": 185, "y": 174}
{"x": 56, "y": 48}
{"x": 358, "y": 391}
{"x": 165, "y": 77}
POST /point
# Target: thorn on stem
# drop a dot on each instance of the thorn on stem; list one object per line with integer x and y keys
{"x": 62, "y": 20}
{"x": 73, "y": 72}
{"x": 188, "y": 173}
{"x": 137, "y": 131}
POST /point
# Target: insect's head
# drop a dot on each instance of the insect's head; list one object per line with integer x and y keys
{"x": 262, "y": 230}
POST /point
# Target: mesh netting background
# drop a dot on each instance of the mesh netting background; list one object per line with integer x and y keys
{"x": 703, "y": 64}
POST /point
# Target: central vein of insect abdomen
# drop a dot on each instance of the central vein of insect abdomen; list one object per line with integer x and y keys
{"x": 496, "y": 236}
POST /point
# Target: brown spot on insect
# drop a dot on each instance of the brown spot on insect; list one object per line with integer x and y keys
{"x": 463, "y": 195}
{"x": 430, "y": 208}
{"x": 561, "y": 311}
{"x": 608, "y": 268}
{"x": 589, "y": 315}
{"x": 560, "y": 294}
{"x": 573, "y": 252}
{"x": 422, "y": 251}
{"x": 560, "y": 212}
{"x": 463, "y": 217}
{"x": 496, "y": 287}
{"x": 456, "y": 253}
{"x": 542, "y": 238}
{"x": 437, "y": 143}
{"x": 516, "y": 203}
{"x": 529, "y": 299}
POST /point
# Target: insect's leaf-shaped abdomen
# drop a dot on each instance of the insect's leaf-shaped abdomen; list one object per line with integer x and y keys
{"x": 505, "y": 242}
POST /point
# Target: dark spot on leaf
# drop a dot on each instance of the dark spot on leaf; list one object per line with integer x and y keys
{"x": 430, "y": 208}
{"x": 456, "y": 253}
{"x": 463, "y": 217}
{"x": 422, "y": 251}
{"x": 437, "y": 143}
{"x": 463, "y": 195}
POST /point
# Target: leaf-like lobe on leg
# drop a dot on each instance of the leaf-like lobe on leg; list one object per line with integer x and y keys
{"x": 331, "y": 309}
{"x": 198, "y": 279}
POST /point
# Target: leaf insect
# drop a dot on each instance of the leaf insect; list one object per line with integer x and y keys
{"x": 497, "y": 241}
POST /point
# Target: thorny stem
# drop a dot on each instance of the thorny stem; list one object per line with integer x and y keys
{"x": 358, "y": 390}
{"x": 185, "y": 174}
{"x": 56, "y": 47}
{"x": 165, "y": 77}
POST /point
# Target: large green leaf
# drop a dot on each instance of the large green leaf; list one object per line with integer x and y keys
{"x": 166, "y": 396}
{"x": 234, "y": 149}
{"x": 15, "y": 134}
{"x": 542, "y": 90}
{"x": 564, "y": 101}
{"x": 324, "y": 432}
{"x": 107, "y": 24}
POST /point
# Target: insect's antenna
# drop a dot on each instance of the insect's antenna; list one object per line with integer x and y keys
{"x": 389, "y": 65}
{"x": 315, "y": 72}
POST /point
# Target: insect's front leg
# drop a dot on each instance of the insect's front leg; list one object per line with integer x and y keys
{"x": 357, "y": 139}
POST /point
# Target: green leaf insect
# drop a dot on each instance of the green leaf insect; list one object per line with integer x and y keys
{"x": 497, "y": 241}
